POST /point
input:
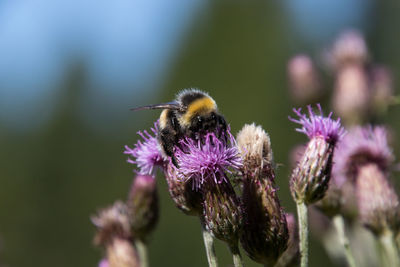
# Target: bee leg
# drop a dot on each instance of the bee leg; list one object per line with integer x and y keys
{"x": 223, "y": 128}
{"x": 167, "y": 141}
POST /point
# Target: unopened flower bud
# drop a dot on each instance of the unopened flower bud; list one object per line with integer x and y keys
{"x": 222, "y": 212}
{"x": 264, "y": 236}
{"x": 303, "y": 79}
{"x": 111, "y": 223}
{"x": 143, "y": 205}
{"x": 311, "y": 176}
{"x": 121, "y": 253}
{"x": 377, "y": 201}
{"x": 291, "y": 256}
{"x": 352, "y": 95}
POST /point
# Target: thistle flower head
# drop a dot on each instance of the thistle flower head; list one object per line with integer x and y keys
{"x": 318, "y": 125}
{"x": 207, "y": 159}
{"x": 310, "y": 178}
{"x": 146, "y": 153}
{"x": 112, "y": 222}
{"x": 143, "y": 205}
{"x": 361, "y": 146}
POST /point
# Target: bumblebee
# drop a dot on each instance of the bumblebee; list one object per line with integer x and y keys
{"x": 192, "y": 114}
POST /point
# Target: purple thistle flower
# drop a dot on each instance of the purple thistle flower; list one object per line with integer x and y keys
{"x": 358, "y": 147}
{"x": 146, "y": 154}
{"x": 208, "y": 158}
{"x": 310, "y": 178}
{"x": 318, "y": 125}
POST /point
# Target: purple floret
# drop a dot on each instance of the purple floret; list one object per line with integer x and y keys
{"x": 360, "y": 146}
{"x": 318, "y": 125}
{"x": 146, "y": 154}
{"x": 207, "y": 160}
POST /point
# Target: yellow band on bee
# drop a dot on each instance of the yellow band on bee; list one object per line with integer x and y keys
{"x": 199, "y": 107}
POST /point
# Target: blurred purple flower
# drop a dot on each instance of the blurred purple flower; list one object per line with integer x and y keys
{"x": 208, "y": 158}
{"x": 361, "y": 146}
{"x": 146, "y": 154}
{"x": 318, "y": 125}
{"x": 104, "y": 263}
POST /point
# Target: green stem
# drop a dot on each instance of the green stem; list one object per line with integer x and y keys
{"x": 237, "y": 258}
{"x": 303, "y": 232}
{"x": 209, "y": 244}
{"x": 344, "y": 241}
{"x": 141, "y": 247}
{"x": 390, "y": 253}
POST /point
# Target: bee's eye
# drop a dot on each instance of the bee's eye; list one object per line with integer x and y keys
{"x": 213, "y": 116}
{"x": 199, "y": 119}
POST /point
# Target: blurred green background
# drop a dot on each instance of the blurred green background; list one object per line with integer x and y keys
{"x": 70, "y": 71}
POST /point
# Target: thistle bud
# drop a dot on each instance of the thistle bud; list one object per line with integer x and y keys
{"x": 112, "y": 222}
{"x": 303, "y": 79}
{"x": 310, "y": 178}
{"x": 377, "y": 201}
{"x": 121, "y": 253}
{"x": 143, "y": 205}
{"x": 264, "y": 236}
{"x": 113, "y": 232}
{"x": 222, "y": 212}
{"x": 352, "y": 95}
{"x": 349, "y": 48}
{"x": 291, "y": 256}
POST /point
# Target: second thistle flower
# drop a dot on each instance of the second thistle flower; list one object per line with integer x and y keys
{"x": 310, "y": 178}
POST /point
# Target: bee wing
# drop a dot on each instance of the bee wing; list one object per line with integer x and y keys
{"x": 169, "y": 105}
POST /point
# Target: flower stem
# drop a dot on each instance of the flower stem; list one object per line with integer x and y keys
{"x": 237, "y": 258}
{"x": 141, "y": 247}
{"x": 344, "y": 241}
{"x": 390, "y": 253}
{"x": 303, "y": 232}
{"x": 209, "y": 244}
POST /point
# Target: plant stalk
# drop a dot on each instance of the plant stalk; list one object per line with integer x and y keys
{"x": 237, "y": 258}
{"x": 141, "y": 247}
{"x": 209, "y": 244}
{"x": 303, "y": 232}
{"x": 338, "y": 222}
{"x": 390, "y": 254}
